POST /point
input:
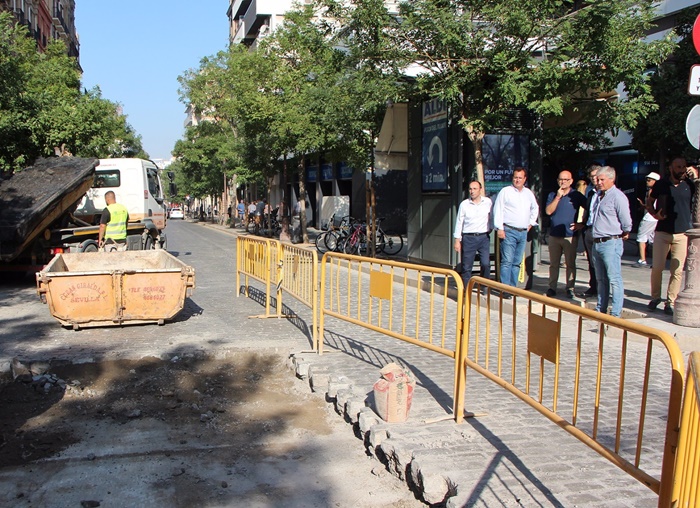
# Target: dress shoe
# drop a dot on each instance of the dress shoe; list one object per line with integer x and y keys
{"x": 654, "y": 303}
{"x": 551, "y": 293}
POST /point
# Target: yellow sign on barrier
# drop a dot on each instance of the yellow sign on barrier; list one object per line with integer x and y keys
{"x": 408, "y": 302}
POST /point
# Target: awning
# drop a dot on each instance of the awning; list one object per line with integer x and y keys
{"x": 391, "y": 151}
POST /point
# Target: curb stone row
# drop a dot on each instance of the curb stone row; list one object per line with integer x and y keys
{"x": 382, "y": 441}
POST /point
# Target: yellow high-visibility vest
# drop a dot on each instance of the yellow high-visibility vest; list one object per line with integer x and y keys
{"x": 116, "y": 227}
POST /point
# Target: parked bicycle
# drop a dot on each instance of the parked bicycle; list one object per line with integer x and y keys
{"x": 357, "y": 242}
{"x": 332, "y": 238}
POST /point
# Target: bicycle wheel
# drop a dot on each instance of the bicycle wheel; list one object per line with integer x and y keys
{"x": 392, "y": 244}
{"x": 351, "y": 245}
{"x": 332, "y": 240}
{"x": 321, "y": 242}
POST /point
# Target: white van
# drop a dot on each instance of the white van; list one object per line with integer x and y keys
{"x": 136, "y": 184}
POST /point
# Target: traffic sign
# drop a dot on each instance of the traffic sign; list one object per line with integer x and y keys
{"x": 694, "y": 81}
{"x": 696, "y": 34}
{"x": 692, "y": 127}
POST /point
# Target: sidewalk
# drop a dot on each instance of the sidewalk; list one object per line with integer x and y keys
{"x": 637, "y": 288}
{"x": 509, "y": 455}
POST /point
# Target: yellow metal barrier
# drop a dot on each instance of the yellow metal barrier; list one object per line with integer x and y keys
{"x": 256, "y": 258}
{"x": 623, "y": 383}
{"x": 404, "y": 301}
{"x": 686, "y": 492}
{"x": 298, "y": 276}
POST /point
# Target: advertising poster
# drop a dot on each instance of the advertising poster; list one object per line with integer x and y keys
{"x": 501, "y": 154}
{"x": 434, "y": 160}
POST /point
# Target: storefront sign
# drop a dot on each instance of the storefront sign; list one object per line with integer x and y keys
{"x": 434, "y": 159}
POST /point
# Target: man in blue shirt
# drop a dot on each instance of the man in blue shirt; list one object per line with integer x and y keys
{"x": 563, "y": 207}
{"x": 611, "y": 223}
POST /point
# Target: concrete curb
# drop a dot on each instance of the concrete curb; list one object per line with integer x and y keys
{"x": 423, "y": 473}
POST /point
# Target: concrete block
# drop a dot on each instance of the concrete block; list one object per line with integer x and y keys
{"x": 318, "y": 380}
{"x": 336, "y": 383}
{"x": 398, "y": 456}
{"x": 341, "y": 398}
{"x": 377, "y": 435}
{"x": 302, "y": 368}
{"x": 430, "y": 481}
{"x": 353, "y": 408}
{"x": 367, "y": 419}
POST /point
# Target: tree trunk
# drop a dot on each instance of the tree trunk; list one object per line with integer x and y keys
{"x": 477, "y": 139}
{"x": 302, "y": 197}
{"x": 284, "y": 207}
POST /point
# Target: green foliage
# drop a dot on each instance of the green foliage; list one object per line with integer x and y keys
{"x": 488, "y": 57}
{"x": 661, "y": 134}
{"x": 309, "y": 88}
{"x": 202, "y": 160}
{"x": 43, "y": 109}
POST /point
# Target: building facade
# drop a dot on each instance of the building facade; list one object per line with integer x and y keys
{"x": 47, "y": 20}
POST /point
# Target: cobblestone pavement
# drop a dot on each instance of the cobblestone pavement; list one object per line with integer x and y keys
{"x": 510, "y": 455}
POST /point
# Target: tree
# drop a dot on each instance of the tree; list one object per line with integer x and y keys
{"x": 42, "y": 108}
{"x": 551, "y": 58}
{"x": 661, "y": 134}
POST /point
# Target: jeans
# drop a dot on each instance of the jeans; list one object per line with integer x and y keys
{"x": 607, "y": 257}
{"x": 471, "y": 245}
{"x": 512, "y": 250}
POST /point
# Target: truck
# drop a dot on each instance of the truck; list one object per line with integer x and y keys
{"x": 54, "y": 206}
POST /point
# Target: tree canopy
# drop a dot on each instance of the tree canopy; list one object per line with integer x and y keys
{"x": 662, "y": 133}
{"x": 44, "y": 110}
{"x": 553, "y": 58}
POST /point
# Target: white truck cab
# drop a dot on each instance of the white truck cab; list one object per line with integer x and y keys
{"x": 136, "y": 184}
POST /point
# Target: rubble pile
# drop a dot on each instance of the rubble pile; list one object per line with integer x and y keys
{"x": 36, "y": 375}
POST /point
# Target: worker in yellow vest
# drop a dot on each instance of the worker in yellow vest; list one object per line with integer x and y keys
{"x": 112, "y": 236}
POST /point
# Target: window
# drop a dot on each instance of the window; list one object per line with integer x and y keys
{"x": 153, "y": 185}
{"x": 109, "y": 178}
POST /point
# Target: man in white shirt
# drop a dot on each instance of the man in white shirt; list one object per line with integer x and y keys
{"x": 471, "y": 234}
{"x": 514, "y": 213}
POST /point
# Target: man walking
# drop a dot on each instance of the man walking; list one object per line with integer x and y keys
{"x": 647, "y": 226}
{"x": 115, "y": 216}
{"x": 514, "y": 213}
{"x": 610, "y": 225}
{"x": 472, "y": 230}
{"x": 563, "y": 207}
{"x": 672, "y": 209}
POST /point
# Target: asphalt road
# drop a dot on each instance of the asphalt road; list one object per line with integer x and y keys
{"x": 157, "y": 460}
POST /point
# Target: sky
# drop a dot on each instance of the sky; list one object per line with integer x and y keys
{"x": 135, "y": 51}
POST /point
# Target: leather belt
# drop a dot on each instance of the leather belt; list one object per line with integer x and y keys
{"x": 474, "y": 234}
{"x": 514, "y": 228}
{"x": 604, "y": 239}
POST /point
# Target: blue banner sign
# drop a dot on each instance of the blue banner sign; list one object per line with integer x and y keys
{"x": 434, "y": 159}
{"x": 326, "y": 171}
{"x": 311, "y": 174}
{"x": 344, "y": 171}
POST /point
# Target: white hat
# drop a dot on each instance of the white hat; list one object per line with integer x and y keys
{"x": 654, "y": 176}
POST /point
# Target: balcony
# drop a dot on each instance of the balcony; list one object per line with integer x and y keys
{"x": 58, "y": 20}
{"x": 238, "y": 8}
{"x": 240, "y": 34}
{"x": 19, "y": 14}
